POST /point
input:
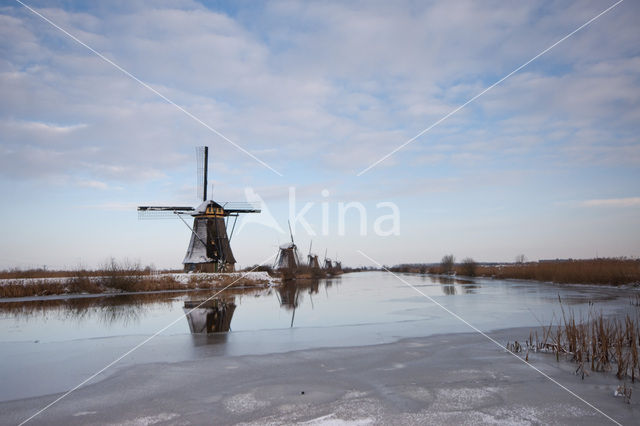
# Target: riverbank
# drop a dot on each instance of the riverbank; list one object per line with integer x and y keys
{"x": 589, "y": 271}
{"x": 442, "y": 379}
{"x": 601, "y": 271}
{"x": 130, "y": 283}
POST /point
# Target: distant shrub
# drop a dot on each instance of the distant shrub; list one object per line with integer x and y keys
{"x": 447, "y": 263}
{"x": 125, "y": 276}
{"x": 83, "y": 284}
{"x": 468, "y": 267}
{"x": 258, "y": 268}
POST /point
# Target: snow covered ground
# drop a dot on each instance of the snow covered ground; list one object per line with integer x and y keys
{"x": 216, "y": 276}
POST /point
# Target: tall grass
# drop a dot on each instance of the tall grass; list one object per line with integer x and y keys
{"x": 598, "y": 344}
{"x": 124, "y": 276}
{"x": 125, "y": 266}
{"x": 614, "y": 271}
{"x": 17, "y": 273}
{"x": 15, "y": 288}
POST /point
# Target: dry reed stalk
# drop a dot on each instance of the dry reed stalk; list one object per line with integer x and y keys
{"x": 613, "y": 271}
{"x": 601, "y": 343}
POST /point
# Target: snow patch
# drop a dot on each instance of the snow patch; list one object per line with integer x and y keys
{"x": 150, "y": 420}
{"x": 244, "y": 403}
{"x": 84, "y": 413}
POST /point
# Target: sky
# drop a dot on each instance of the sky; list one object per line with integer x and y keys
{"x": 296, "y": 101}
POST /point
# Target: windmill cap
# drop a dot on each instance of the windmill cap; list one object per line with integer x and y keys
{"x": 202, "y": 208}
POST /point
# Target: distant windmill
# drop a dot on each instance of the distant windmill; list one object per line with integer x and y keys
{"x": 209, "y": 249}
{"x": 337, "y": 265}
{"x": 312, "y": 258}
{"x": 327, "y": 261}
{"x": 288, "y": 259}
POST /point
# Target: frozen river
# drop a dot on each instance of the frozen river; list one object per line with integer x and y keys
{"x": 50, "y": 345}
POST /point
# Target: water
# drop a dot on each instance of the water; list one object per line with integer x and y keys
{"x": 52, "y": 345}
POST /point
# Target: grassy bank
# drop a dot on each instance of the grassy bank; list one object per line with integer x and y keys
{"x": 123, "y": 284}
{"x": 588, "y": 271}
{"x": 111, "y": 267}
{"x": 113, "y": 277}
{"x": 610, "y": 271}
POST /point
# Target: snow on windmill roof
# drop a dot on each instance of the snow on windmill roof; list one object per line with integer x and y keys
{"x": 202, "y": 208}
{"x": 286, "y": 246}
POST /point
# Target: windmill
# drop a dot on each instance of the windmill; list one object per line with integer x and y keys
{"x": 209, "y": 249}
{"x": 288, "y": 261}
{"x": 327, "y": 261}
{"x": 337, "y": 265}
{"x": 312, "y": 258}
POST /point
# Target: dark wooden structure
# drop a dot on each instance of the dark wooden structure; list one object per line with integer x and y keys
{"x": 209, "y": 248}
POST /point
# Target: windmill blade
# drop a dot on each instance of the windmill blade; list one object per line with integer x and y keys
{"x": 233, "y": 228}
{"x": 202, "y": 160}
{"x": 162, "y": 212}
{"x": 241, "y": 207}
{"x": 192, "y": 231}
{"x": 290, "y": 233}
{"x": 310, "y": 244}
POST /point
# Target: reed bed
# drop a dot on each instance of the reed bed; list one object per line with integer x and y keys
{"x": 112, "y": 277}
{"x": 598, "y": 344}
{"x": 613, "y": 271}
{"x": 37, "y": 288}
{"x": 84, "y": 285}
{"x": 125, "y": 284}
{"x": 124, "y": 267}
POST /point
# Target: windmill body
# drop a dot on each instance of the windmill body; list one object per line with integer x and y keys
{"x": 288, "y": 257}
{"x": 288, "y": 260}
{"x": 209, "y": 248}
{"x": 313, "y": 261}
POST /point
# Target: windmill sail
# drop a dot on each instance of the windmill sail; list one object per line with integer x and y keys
{"x": 162, "y": 212}
{"x": 202, "y": 159}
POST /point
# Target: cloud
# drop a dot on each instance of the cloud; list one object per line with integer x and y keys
{"x": 315, "y": 86}
{"x": 92, "y": 184}
{"x": 613, "y": 202}
{"x": 320, "y": 90}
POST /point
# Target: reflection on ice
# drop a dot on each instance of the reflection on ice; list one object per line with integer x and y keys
{"x": 210, "y": 316}
{"x": 452, "y": 285}
{"x": 290, "y": 293}
{"x": 122, "y": 309}
{"x": 84, "y": 333}
{"x": 313, "y": 306}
